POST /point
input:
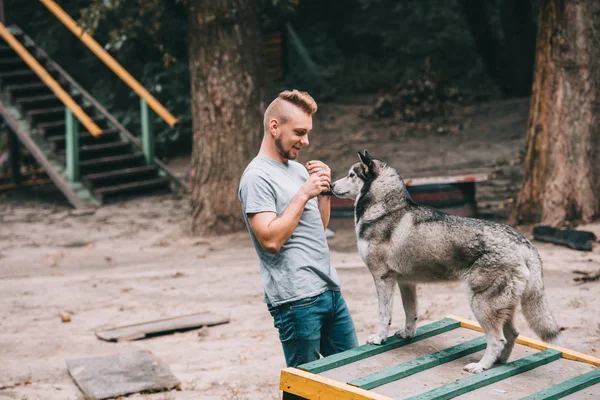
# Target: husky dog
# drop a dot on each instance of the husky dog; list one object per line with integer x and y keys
{"x": 404, "y": 242}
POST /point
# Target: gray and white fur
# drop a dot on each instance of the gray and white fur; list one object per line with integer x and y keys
{"x": 406, "y": 243}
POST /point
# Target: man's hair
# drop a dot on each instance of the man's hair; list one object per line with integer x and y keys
{"x": 302, "y": 100}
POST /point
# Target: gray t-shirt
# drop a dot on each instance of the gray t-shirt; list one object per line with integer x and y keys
{"x": 301, "y": 268}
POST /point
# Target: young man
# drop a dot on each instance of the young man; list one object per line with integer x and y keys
{"x": 287, "y": 216}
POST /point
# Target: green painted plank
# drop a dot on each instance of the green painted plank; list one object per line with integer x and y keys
{"x": 368, "y": 350}
{"x": 493, "y": 375}
{"x": 419, "y": 364}
{"x": 567, "y": 387}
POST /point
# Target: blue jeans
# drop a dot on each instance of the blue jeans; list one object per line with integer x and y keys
{"x": 314, "y": 325}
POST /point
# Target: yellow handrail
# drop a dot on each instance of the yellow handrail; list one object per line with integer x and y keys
{"x": 107, "y": 59}
{"x": 50, "y": 82}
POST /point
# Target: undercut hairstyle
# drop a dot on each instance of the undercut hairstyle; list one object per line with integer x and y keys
{"x": 276, "y": 109}
{"x": 300, "y": 99}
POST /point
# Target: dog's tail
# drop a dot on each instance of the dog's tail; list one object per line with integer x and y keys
{"x": 535, "y": 305}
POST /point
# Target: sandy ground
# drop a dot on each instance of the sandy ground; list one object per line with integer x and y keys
{"x": 135, "y": 261}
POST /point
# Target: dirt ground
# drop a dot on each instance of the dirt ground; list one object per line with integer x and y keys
{"x": 135, "y": 261}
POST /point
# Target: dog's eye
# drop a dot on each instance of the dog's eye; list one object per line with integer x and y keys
{"x": 351, "y": 175}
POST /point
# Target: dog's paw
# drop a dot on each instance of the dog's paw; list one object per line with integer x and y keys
{"x": 502, "y": 360}
{"x": 405, "y": 333}
{"x": 474, "y": 368}
{"x": 375, "y": 339}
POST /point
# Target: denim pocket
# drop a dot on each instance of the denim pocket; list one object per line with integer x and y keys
{"x": 282, "y": 320}
{"x": 303, "y": 303}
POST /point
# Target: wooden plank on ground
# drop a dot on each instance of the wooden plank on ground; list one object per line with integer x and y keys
{"x": 567, "y": 387}
{"x": 493, "y": 375}
{"x": 120, "y": 375}
{"x": 368, "y": 350}
{"x": 160, "y": 327}
{"x": 419, "y": 364}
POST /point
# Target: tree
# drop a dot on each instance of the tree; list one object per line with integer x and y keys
{"x": 228, "y": 91}
{"x": 562, "y": 172}
{"x": 509, "y": 62}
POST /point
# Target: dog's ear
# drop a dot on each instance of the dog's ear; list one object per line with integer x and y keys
{"x": 366, "y": 159}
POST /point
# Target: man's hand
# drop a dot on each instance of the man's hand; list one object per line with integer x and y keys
{"x": 320, "y": 168}
{"x": 318, "y": 182}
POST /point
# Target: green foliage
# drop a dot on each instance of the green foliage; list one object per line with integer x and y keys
{"x": 368, "y": 45}
{"x": 359, "y": 45}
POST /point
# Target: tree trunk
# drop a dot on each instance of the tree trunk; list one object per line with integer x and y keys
{"x": 228, "y": 91}
{"x": 562, "y": 177}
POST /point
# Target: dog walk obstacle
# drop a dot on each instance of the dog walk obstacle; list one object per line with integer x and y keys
{"x": 452, "y": 193}
{"x": 430, "y": 366}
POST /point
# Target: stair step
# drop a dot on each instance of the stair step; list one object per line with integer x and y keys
{"x": 46, "y": 100}
{"x": 104, "y": 146}
{"x": 4, "y": 48}
{"x": 57, "y": 127}
{"x": 111, "y": 163}
{"x": 120, "y": 176}
{"x": 26, "y": 89}
{"x": 109, "y": 135}
{"x": 18, "y": 76}
{"x": 49, "y": 128}
{"x": 132, "y": 187}
{"x": 11, "y": 63}
{"x": 99, "y": 150}
{"x": 39, "y": 115}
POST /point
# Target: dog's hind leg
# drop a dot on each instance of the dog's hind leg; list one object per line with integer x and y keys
{"x": 495, "y": 294}
{"x": 384, "y": 283}
{"x": 492, "y": 324}
{"x": 408, "y": 291}
{"x": 510, "y": 333}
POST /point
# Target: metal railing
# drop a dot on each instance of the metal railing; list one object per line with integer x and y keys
{"x": 74, "y": 85}
{"x": 73, "y": 111}
{"x": 146, "y": 99}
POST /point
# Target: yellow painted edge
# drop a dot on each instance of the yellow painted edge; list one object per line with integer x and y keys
{"x": 110, "y": 62}
{"x": 535, "y": 343}
{"x": 312, "y": 386}
{"x": 49, "y": 81}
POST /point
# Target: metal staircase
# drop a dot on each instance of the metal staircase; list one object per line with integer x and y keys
{"x": 106, "y": 165}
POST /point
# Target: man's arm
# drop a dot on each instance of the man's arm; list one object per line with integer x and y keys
{"x": 325, "y": 209}
{"x": 319, "y": 167}
{"x": 272, "y": 230}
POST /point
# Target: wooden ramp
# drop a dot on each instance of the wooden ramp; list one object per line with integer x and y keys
{"x": 429, "y": 366}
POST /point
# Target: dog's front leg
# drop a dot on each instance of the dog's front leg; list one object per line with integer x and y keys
{"x": 384, "y": 284}
{"x": 408, "y": 292}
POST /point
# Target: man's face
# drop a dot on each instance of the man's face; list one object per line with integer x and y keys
{"x": 293, "y": 134}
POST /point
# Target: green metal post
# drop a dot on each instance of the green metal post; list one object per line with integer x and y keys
{"x": 72, "y": 146}
{"x": 147, "y": 136}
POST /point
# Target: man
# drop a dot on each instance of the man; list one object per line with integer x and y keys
{"x": 287, "y": 216}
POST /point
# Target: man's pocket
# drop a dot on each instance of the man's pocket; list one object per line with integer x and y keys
{"x": 283, "y": 322}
